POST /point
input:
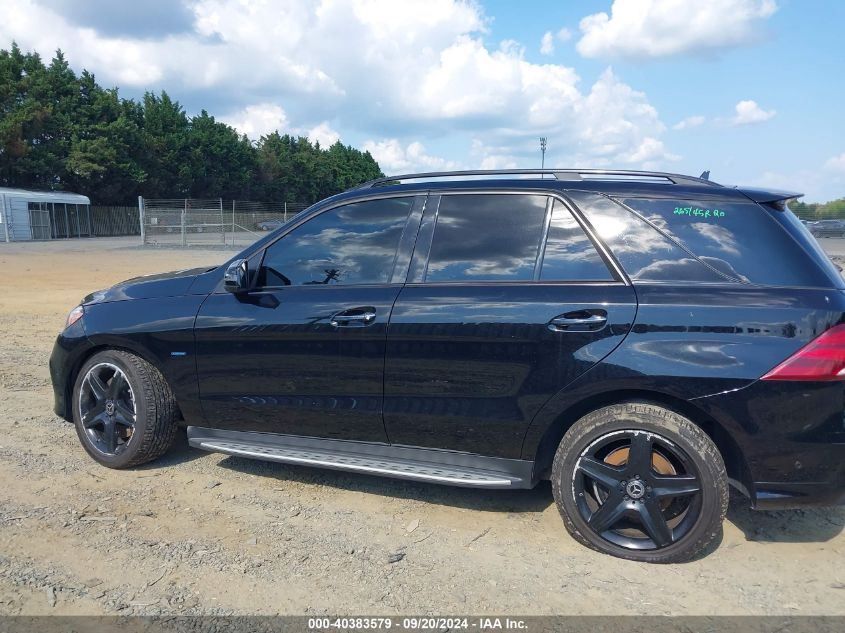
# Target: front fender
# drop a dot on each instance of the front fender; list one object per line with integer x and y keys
{"x": 159, "y": 330}
{"x": 70, "y": 350}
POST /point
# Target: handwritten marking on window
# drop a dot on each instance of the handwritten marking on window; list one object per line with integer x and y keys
{"x": 697, "y": 212}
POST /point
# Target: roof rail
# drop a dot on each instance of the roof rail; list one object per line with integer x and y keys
{"x": 559, "y": 174}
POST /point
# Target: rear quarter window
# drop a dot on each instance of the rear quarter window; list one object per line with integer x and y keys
{"x": 740, "y": 240}
{"x": 643, "y": 252}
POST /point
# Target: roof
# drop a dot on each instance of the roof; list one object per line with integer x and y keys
{"x": 47, "y": 196}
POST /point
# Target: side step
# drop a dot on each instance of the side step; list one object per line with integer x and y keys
{"x": 418, "y": 464}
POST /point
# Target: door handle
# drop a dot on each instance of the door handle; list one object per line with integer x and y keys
{"x": 579, "y": 321}
{"x": 356, "y": 317}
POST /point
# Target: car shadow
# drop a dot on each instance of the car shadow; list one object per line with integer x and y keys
{"x": 804, "y": 525}
{"x": 179, "y": 453}
{"x": 505, "y": 501}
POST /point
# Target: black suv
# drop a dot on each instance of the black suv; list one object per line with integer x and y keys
{"x": 640, "y": 339}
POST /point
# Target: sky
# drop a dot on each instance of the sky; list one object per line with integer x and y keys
{"x": 751, "y": 90}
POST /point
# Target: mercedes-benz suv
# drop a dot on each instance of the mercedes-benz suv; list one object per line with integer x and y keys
{"x": 640, "y": 339}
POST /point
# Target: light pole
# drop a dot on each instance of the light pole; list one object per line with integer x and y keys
{"x": 542, "y": 152}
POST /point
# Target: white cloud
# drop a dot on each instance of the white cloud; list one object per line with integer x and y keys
{"x": 663, "y": 28}
{"x": 258, "y": 120}
{"x": 375, "y": 69}
{"x": 619, "y": 125}
{"x": 650, "y": 154}
{"x": 748, "y": 112}
{"x": 323, "y": 134}
{"x": 818, "y": 183}
{"x": 547, "y": 43}
{"x": 394, "y": 158}
{"x": 689, "y": 122}
{"x": 487, "y": 157}
{"x": 836, "y": 164}
{"x": 805, "y": 181}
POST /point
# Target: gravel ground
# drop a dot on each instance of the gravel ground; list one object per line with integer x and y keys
{"x": 198, "y": 533}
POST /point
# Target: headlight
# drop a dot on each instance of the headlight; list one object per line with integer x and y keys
{"x": 74, "y": 316}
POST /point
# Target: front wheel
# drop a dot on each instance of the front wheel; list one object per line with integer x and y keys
{"x": 123, "y": 410}
{"x": 640, "y": 482}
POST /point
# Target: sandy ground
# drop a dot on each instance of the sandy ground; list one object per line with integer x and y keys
{"x": 203, "y": 533}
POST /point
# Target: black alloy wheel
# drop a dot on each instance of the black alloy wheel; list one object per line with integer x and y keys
{"x": 639, "y": 481}
{"x": 123, "y": 409}
{"x": 107, "y": 408}
{"x": 637, "y": 490}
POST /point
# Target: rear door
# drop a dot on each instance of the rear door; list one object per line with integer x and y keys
{"x": 508, "y": 300}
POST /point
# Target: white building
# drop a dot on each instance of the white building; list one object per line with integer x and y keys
{"x": 43, "y": 215}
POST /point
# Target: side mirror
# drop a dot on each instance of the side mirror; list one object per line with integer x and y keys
{"x": 236, "y": 278}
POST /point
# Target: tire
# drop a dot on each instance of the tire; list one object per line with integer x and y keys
{"x": 684, "y": 483}
{"x": 142, "y": 391}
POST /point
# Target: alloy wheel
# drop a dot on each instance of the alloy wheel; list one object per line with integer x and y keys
{"x": 637, "y": 490}
{"x": 107, "y": 408}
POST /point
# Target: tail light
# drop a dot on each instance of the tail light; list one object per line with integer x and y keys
{"x": 821, "y": 359}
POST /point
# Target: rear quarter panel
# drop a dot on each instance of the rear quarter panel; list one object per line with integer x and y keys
{"x": 692, "y": 342}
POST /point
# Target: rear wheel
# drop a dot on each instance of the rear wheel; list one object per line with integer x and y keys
{"x": 123, "y": 410}
{"x": 640, "y": 482}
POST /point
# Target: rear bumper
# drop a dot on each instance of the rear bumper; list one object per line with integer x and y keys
{"x": 789, "y": 441}
{"x": 799, "y": 474}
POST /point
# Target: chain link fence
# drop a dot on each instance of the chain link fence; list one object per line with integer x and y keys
{"x": 213, "y": 222}
{"x": 113, "y": 221}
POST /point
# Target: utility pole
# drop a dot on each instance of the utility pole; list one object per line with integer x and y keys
{"x": 542, "y": 152}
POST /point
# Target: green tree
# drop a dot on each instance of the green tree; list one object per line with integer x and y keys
{"x": 220, "y": 163}
{"x": 164, "y": 147}
{"x": 835, "y": 209}
{"x": 106, "y": 149}
{"x": 60, "y": 131}
{"x": 25, "y": 156}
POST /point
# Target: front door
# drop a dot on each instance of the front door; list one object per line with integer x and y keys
{"x": 303, "y": 353}
{"x": 492, "y": 324}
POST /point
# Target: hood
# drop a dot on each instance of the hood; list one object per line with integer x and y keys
{"x": 171, "y": 284}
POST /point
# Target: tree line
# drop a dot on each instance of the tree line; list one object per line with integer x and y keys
{"x": 63, "y": 131}
{"x": 833, "y": 210}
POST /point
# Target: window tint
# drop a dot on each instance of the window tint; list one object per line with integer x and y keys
{"x": 352, "y": 244}
{"x": 486, "y": 238}
{"x": 569, "y": 254}
{"x": 739, "y": 239}
{"x": 643, "y": 252}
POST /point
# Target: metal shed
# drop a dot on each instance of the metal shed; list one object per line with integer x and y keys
{"x": 43, "y": 215}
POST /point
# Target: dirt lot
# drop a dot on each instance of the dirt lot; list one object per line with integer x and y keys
{"x": 204, "y": 533}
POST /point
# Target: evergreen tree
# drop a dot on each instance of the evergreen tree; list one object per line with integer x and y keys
{"x": 60, "y": 131}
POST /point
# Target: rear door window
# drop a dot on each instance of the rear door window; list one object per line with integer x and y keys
{"x": 569, "y": 253}
{"x": 486, "y": 237}
{"x": 740, "y": 240}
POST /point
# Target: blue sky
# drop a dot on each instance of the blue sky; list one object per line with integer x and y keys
{"x": 749, "y": 89}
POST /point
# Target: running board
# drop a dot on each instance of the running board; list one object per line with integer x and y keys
{"x": 417, "y": 464}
